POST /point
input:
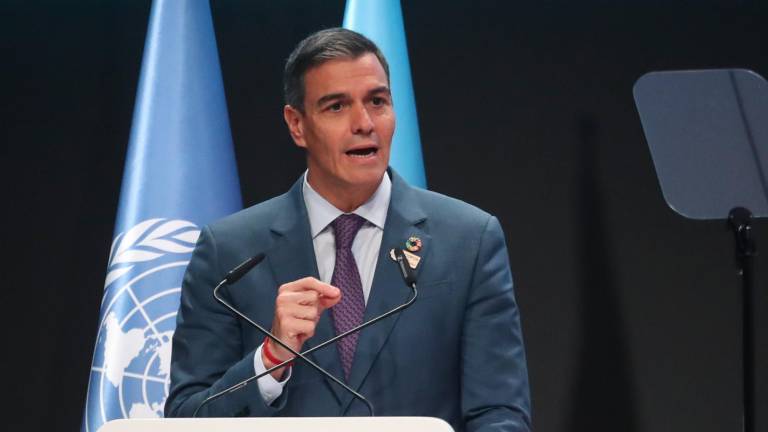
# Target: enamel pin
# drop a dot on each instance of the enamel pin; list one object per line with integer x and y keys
{"x": 413, "y": 244}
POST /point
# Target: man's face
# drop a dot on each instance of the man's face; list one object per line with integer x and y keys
{"x": 347, "y": 124}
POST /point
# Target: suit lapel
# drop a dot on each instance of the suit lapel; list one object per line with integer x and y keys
{"x": 404, "y": 219}
{"x": 293, "y": 257}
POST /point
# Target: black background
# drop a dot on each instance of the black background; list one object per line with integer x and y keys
{"x": 631, "y": 313}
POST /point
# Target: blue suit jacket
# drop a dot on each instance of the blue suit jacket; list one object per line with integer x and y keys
{"x": 457, "y": 353}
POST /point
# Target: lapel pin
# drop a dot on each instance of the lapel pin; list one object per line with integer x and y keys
{"x": 413, "y": 244}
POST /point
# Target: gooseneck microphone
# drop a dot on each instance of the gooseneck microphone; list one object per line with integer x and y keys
{"x": 232, "y": 277}
{"x": 244, "y": 267}
{"x": 238, "y": 272}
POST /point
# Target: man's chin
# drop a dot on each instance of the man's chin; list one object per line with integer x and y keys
{"x": 368, "y": 178}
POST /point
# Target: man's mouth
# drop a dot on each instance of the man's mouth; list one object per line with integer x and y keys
{"x": 363, "y": 152}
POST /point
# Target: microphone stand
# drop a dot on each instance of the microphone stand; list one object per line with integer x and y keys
{"x": 234, "y": 275}
{"x": 322, "y": 345}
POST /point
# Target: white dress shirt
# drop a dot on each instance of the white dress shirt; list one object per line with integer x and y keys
{"x": 365, "y": 249}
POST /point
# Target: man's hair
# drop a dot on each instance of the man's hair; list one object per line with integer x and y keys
{"x": 318, "y": 48}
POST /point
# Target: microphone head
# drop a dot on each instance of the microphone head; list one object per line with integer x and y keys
{"x": 402, "y": 262}
{"x": 238, "y": 272}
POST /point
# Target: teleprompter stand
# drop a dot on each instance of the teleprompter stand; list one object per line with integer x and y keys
{"x": 708, "y": 135}
{"x": 740, "y": 220}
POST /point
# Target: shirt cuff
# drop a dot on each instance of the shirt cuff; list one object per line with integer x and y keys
{"x": 269, "y": 387}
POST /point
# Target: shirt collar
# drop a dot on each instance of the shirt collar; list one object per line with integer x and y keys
{"x": 322, "y": 213}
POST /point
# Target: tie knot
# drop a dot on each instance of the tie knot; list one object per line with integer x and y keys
{"x": 345, "y": 229}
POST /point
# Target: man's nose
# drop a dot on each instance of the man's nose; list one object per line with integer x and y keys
{"x": 361, "y": 120}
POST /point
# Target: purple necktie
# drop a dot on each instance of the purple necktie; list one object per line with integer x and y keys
{"x": 348, "y": 312}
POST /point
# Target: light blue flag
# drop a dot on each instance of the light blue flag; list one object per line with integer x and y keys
{"x": 382, "y": 22}
{"x": 180, "y": 174}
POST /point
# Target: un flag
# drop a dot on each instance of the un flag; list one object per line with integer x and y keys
{"x": 179, "y": 174}
{"x": 382, "y": 22}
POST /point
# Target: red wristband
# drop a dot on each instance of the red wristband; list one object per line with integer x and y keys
{"x": 270, "y": 356}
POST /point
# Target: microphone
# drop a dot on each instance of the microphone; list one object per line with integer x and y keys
{"x": 233, "y": 276}
{"x": 244, "y": 267}
{"x": 409, "y": 277}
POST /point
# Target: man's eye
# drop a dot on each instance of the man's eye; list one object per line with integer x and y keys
{"x": 335, "y": 107}
{"x": 377, "y": 101}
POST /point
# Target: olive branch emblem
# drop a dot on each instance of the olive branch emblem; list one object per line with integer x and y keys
{"x": 147, "y": 241}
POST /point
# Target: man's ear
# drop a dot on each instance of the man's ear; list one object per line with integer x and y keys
{"x": 295, "y": 121}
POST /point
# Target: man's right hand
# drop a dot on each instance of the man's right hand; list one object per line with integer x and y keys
{"x": 298, "y": 307}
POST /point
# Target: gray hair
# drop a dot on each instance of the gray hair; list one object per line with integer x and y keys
{"x": 318, "y": 48}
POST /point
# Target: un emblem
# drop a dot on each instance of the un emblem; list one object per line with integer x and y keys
{"x": 130, "y": 373}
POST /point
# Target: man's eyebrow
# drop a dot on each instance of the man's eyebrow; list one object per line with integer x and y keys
{"x": 338, "y": 96}
{"x": 330, "y": 97}
{"x": 380, "y": 89}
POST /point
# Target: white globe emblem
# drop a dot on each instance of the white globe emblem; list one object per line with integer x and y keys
{"x": 130, "y": 374}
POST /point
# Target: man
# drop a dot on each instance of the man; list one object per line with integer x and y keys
{"x": 457, "y": 353}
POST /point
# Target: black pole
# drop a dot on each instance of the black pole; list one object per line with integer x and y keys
{"x": 740, "y": 220}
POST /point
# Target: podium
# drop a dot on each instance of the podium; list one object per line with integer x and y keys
{"x": 288, "y": 424}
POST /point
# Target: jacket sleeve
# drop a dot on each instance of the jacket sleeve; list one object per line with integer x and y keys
{"x": 208, "y": 354}
{"x": 495, "y": 394}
